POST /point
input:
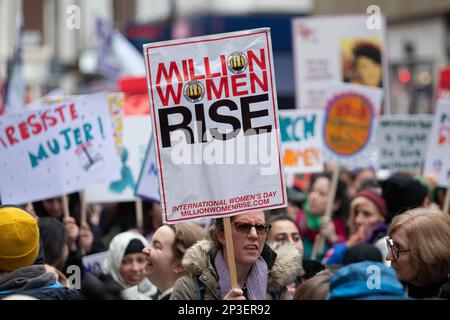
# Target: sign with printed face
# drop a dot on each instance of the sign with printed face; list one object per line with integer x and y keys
{"x": 330, "y": 49}
{"x": 301, "y": 138}
{"x": 402, "y": 141}
{"x": 348, "y": 130}
{"x": 60, "y": 148}
{"x": 136, "y": 136}
{"x": 214, "y": 111}
{"x": 438, "y": 153}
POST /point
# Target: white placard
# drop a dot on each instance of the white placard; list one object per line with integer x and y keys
{"x": 93, "y": 263}
{"x": 136, "y": 136}
{"x": 206, "y": 94}
{"x": 57, "y": 149}
{"x": 301, "y": 139}
{"x": 402, "y": 141}
{"x": 438, "y": 153}
{"x": 331, "y": 49}
{"x": 148, "y": 185}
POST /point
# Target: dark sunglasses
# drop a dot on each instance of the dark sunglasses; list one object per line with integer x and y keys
{"x": 245, "y": 227}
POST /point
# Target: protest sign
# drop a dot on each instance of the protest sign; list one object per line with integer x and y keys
{"x": 116, "y": 107}
{"x": 215, "y": 120}
{"x": 348, "y": 131}
{"x": 331, "y": 49}
{"x": 148, "y": 185}
{"x": 136, "y": 136}
{"x": 301, "y": 139}
{"x": 438, "y": 153}
{"x": 402, "y": 141}
{"x": 93, "y": 263}
{"x": 56, "y": 150}
{"x": 443, "y": 90}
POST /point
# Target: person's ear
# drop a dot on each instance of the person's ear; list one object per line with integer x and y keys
{"x": 178, "y": 268}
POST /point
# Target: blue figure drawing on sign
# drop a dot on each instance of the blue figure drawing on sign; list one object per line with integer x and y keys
{"x": 152, "y": 171}
{"x": 126, "y": 180}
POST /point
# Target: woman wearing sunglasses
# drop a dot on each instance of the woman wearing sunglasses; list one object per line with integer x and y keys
{"x": 261, "y": 272}
{"x": 419, "y": 251}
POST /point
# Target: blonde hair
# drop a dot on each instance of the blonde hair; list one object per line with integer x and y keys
{"x": 428, "y": 234}
{"x": 315, "y": 288}
{"x": 359, "y": 200}
{"x": 186, "y": 235}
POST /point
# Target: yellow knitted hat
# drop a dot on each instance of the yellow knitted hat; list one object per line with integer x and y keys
{"x": 19, "y": 238}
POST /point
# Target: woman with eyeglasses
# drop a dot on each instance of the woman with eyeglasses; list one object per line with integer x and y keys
{"x": 419, "y": 250}
{"x": 262, "y": 273}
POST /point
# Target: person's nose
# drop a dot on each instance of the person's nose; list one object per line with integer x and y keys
{"x": 358, "y": 219}
{"x": 389, "y": 255}
{"x": 136, "y": 266}
{"x": 146, "y": 251}
{"x": 253, "y": 234}
{"x": 290, "y": 240}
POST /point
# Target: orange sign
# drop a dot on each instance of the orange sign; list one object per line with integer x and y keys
{"x": 348, "y": 123}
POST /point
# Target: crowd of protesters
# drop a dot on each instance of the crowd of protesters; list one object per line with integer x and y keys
{"x": 392, "y": 230}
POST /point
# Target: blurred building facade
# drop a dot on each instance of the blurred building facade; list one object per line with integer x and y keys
{"x": 60, "y": 37}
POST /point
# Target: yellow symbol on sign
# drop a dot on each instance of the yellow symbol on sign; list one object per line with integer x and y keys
{"x": 194, "y": 91}
{"x": 237, "y": 62}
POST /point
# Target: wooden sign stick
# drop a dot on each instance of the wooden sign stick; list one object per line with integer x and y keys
{"x": 139, "y": 216}
{"x": 65, "y": 201}
{"x": 230, "y": 253}
{"x": 319, "y": 241}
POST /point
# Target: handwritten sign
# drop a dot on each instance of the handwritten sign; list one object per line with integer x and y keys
{"x": 438, "y": 152}
{"x": 402, "y": 141}
{"x": 348, "y": 131}
{"x": 93, "y": 263}
{"x": 301, "y": 138}
{"x": 148, "y": 185}
{"x": 56, "y": 150}
{"x": 136, "y": 136}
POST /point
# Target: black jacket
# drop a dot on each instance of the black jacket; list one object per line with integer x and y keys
{"x": 35, "y": 282}
{"x": 440, "y": 290}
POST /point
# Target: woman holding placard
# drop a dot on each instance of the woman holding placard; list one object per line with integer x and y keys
{"x": 261, "y": 272}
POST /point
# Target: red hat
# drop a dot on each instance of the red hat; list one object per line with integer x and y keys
{"x": 376, "y": 198}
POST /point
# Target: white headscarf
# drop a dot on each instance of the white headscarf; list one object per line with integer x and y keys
{"x": 113, "y": 261}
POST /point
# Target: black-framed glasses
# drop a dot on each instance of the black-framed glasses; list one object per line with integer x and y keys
{"x": 245, "y": 227}
{"x": 392, "y": 247}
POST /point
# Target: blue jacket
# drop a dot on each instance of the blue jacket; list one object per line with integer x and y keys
{"x": 366, "y": 280}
